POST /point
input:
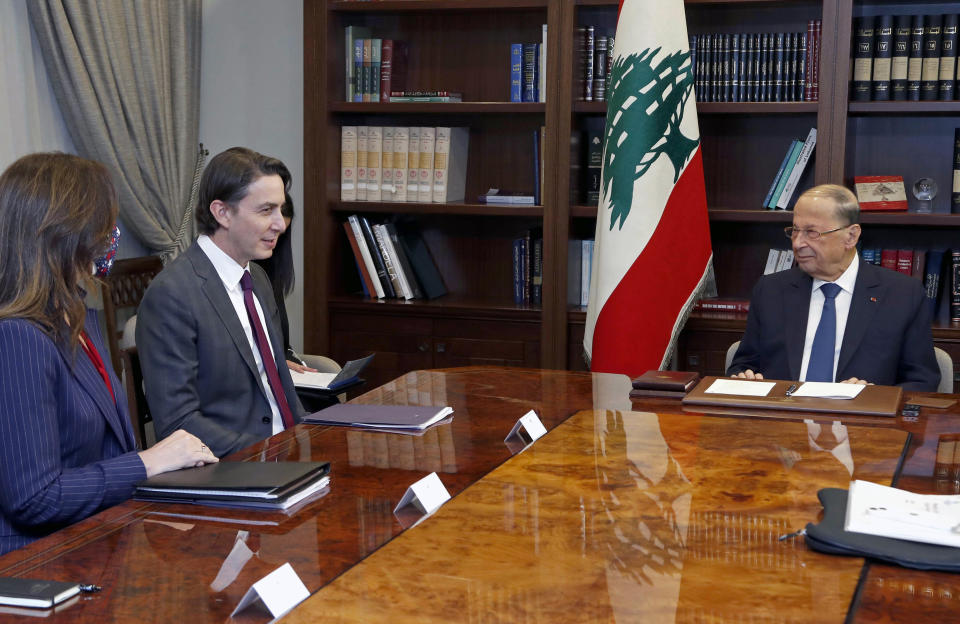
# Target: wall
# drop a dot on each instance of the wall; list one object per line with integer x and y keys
{"x": 252, "y": 95}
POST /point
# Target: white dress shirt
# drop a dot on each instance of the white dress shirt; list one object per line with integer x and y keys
{"x": 846, "y": 282}
{"x": 230, "y": 273}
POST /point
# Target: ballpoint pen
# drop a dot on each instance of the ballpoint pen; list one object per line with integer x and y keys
{"x": 791, "y": 389}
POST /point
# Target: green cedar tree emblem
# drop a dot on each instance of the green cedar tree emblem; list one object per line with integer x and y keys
{"x": 650, "y": 125}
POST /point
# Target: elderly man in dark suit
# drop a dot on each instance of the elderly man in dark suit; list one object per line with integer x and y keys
{"x": 833, "y": 317}
{"x": 208, "y": 330}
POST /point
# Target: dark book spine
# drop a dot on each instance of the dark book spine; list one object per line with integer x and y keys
{"x": 808, "y": 63}
{"x": 579, "y": 39}
{"x": 915, "y": 60}
{"x": 862, "y": 59}
{"x": 711, "y": 85}
{"x": 386, "y": 70}
{"x": 817, "y": 37}
{"x": 948, "y": 57}
{"x": 882, "y": 55}
{"x": 588, "y": 42}
{"x": 764, "y": 77}
{"x": 725, "y": 68}
{"x": 706, "y": 41}
{"x": 529, "y": 72}
{"x": 802, "y": 90}
{"x": 955, "y": 196}
{"x": 930, "y": 74}
{"x": 780, "y": 48}
{"x": 536, "y": 285}
{"x": 716, "y": 84}
{"x": 790, "y": 70}
{"x": 735, "y": 56}
{"x": 517, "y": 271}
{"x": 594, "y": 166}
{"x": 695, "y": 63}
{"x": 931, "y": 278}
{"x": 743, "y": 71}
{"x": 536, "y": 167}
{"x": 358, "y": 70}
{"x": 899, "y": 60}
{"x": 771, "y": 66}
{"x": 757, "y": 57}
{"x": 600, "y": 70}
{"x": 955, "y": 286}
{"x": 378, "y": 261}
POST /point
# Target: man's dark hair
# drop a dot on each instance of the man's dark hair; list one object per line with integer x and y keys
{"x": 228, "y": 176}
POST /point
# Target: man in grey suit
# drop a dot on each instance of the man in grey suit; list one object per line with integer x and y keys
{"x": 208, "y": 331}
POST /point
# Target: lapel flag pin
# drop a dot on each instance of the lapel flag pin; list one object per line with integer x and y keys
{"x": 873, "y": 299}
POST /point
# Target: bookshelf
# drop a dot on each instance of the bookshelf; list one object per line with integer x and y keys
{"x": 464, "y": 46}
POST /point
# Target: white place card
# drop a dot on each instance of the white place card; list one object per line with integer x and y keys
{"x": 827, "y": 390}
{"x": 741, "y": 387}
{"x": 279, "y": 591}
{"x": 531, "y": 425}
{"x": 428, "y": 494}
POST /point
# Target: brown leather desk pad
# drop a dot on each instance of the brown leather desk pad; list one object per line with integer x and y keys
{"x": 873, "y": 400}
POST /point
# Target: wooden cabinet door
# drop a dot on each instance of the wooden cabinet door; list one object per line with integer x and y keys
{"x": 468, "y": 342}
{"x": 402, "y": 343}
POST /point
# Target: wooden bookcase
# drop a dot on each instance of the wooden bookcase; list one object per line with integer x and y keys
{"x": 464, "y": 45}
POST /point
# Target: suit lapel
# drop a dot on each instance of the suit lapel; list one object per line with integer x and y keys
{"x": 796, "y": 307}
{"x": 89, "y": 379}
{"x": 867, "y": 293}
{"x": 213, "y": 289}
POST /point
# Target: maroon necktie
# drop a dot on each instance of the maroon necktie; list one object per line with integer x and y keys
{"x": 259, "y": 337}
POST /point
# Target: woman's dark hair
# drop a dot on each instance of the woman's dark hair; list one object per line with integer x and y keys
{"x": 228, "y": 176}
{"x": 56, "y": 215}
{"x": 279, "y": 266}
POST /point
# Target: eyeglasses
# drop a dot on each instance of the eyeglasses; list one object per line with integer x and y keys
{"x": 793, "y": 232}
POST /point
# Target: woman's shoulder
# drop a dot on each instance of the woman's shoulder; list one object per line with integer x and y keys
{"x": 19, "y": 332}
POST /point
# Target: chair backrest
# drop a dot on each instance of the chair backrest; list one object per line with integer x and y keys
{"x": 945, "y": 362}
{"x": 136, "y": 399}
{"x": 124, "y": 289}
{"x": 731, "y": 351}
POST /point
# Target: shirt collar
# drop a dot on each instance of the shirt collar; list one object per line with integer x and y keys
{"x": 226, "y": 267}
{"x": 847, "y": 279}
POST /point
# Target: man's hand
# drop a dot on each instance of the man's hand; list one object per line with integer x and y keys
{"x": 749, "y": 374}
{"x": 300, "y": 368}
{"x": 854, "y": 380}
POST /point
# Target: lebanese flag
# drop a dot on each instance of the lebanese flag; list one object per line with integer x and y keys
{"x": 652, "y": 252}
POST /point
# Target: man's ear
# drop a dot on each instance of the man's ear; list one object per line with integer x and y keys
{"x": 853, "y": 236}
{"x": 221, "y": 212}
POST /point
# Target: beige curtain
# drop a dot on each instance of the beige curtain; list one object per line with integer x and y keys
{"x": 126, "y": 74}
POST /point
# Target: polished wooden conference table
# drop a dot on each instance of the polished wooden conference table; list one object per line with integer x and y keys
{"x": 623, "y": 512}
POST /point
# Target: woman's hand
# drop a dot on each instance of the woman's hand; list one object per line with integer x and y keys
{"x": 179, "y": 450}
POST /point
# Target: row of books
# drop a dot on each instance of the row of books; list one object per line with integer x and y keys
{"x": 791, "y": 169}
{"x": 403, "y": 164}
{"x": 392, "y": 262}
{"x": 938, "y": 269}
{"x": 757, "y": 67}
{"x": 596, "y": 58}
{"x": 579, "y": 267}
{"x": 528, "y": 268}
{"x": 904, "y": 57}
{"x": 374, "y": 66}
{"x": 528, "y": 71}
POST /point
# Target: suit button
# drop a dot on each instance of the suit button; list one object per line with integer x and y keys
{"x": 266, "y": 420}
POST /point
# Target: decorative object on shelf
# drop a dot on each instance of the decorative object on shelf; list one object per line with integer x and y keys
{"x": 925, "y": 189}
{"x": 880, "y": 193}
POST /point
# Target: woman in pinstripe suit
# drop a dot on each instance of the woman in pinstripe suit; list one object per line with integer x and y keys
{"x": 66, "y": 444}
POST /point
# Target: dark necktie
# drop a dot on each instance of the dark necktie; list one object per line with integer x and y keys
{"x": 260, "y": 337}
{"x": 820, "y": 366}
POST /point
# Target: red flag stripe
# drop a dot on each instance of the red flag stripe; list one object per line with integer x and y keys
{"x": 635, "y": 325}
